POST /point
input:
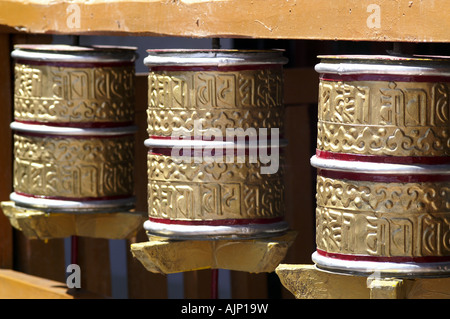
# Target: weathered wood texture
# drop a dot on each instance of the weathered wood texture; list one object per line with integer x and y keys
{"x": 18, "y": 285}
{"x": 306, "y": 282}
{"x": 382, "y": 20}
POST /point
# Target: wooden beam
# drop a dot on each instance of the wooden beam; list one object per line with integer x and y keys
{"x": 308, "y": 282}
{"x": 381, "y": 20}
{"x": 17, "y": 285}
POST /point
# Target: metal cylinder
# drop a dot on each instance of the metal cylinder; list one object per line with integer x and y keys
{"x": 212, "y": 117}
{"x": 73, "y": 128}
{"x": 383, "y": 165}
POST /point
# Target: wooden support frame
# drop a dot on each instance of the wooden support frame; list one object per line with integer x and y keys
{"x": 18, "y": 285}
{"x": 20, "y": 21}
{"x": 307, "y": 282}
{"x": 381, "y": 20}
{"x": 44, "y": 259}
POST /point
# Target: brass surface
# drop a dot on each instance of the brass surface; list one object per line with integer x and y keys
{"x": 248, "y": 98}
{"x": 383, "y": 219}
{"x": 405, "y": 117}
{"x": 56, "y": 94}
{"x": 73, "y": 167}
{"x": 212, "y": 191}
{"x": 228, "y": 99}
{"x": 384, "y": 118}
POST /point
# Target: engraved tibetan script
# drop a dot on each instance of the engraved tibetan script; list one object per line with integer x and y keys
{"x": 213, "y": 191}
{"x": 214, "y": 89}
{"x": 62, "y": 94}
{"x": 379, "y": 234}
{"x": 73, "y": 168}
{"x": 401, "y": 104}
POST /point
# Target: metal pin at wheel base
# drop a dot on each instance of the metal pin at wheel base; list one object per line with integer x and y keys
{"x": 73, "y": 128}
{"x": 194, "y": 97}
{"x": 383, "y": 165}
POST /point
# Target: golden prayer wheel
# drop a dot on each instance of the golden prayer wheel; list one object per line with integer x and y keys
{"x": 73, "y": 128}
{"x": 383, "y": 165}
{"x": 213, "y": 118}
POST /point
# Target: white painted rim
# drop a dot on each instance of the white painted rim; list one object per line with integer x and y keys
{"x": 155, "y": 142}
{"x": 74, "y": 54}
{"x": 208, "y": 232}
{"x": 378, "y": 168}
{"x": 204, "y": 57}
{"x": 75, "y": 131}
{"x": 384, "y": 65}
{"x": 441, "y": 269}
{"x": 72, "y": 205}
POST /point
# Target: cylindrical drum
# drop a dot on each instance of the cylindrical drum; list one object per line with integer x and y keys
{"x": 215, "y": 123}
{"x": 383, "y": 165}
{"x": 73, "y": 128}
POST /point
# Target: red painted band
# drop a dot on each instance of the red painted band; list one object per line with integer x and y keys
{"x": 382, "y": 77}
{"x": 213, "y": 67}
{"x": 396, "y": 259}
{"x": 79, "y": 124}
{"x": 78, "y": 64}
{"x": 211, "y": 151}
{"x": 383, "y": 178}
{"x": 81, "y": 199}
{"x": 79, "y": 137}
{"x": 428, "y": 160}
{"x": 216, "y": 222}
{"x": 212, "y": 138}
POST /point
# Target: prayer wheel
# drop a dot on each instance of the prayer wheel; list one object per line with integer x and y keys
{"x": 73, "y": 128}
{"x": 215, "y": 123}
{"x": 383, "y": 166}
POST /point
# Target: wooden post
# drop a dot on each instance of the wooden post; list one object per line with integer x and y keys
{"x": 6, "y": 244}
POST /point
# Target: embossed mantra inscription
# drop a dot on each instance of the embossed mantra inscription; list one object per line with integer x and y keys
{"x": 68, "y": 167}
{"x": 248, "y": 98}
{"x": 383, "y": 147}
{"x": 56, "y": 94}
{"x": 389, "y": 119}
{"x": 200, "y": 191}
{"x": 73, "y": 127}
{"x": 384, "y": 118}
{"x": 232, "y": 99}
{"x": 383, "y": 219}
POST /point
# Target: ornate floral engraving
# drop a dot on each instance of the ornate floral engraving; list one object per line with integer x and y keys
{"x": 399, "y": 234}
{"x": 383, "y": 197}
